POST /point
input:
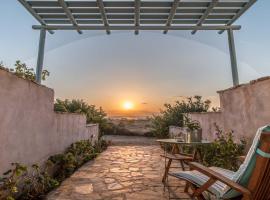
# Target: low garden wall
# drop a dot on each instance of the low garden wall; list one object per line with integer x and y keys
{"x": 175, "y": 131}
{"x": 244, "y": 109}
{"x": 30, "y": 130}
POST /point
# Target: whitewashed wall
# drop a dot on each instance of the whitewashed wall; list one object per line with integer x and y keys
{"x": 30, "y": 130}
{"x": 243, "y": 109}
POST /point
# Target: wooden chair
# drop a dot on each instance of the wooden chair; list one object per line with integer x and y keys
{"x": 250, "y": 182}
{"x": 177, "y": 156}
{"x": 182, "y": 159}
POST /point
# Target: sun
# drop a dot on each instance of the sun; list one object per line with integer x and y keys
{"x": 128, "y": 105}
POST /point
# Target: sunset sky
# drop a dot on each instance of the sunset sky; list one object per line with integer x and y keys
{"x": 146, "y": 70}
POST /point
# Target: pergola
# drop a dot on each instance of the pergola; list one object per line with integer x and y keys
{"x": 136, "y": 15}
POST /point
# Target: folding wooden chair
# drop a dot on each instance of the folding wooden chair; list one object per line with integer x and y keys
{"x": 251, "y": 181}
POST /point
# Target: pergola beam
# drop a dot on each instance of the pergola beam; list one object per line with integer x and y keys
{"x": 33, "y": 13}
{"x": 67, "y": 27}
{"x": 171, "y": 15}
{"x": 137, "y": 15}
{"x": 69, "y": 15}
{"x": 206, "y": 14}
{"x": 240, "y": 13}
{"x": 233, "y": 57}
{"x": 40, "y": 59}
{"x": 144, "y": 4}
{"x": 180, "y": 10}
{"x": 103, "y": 15}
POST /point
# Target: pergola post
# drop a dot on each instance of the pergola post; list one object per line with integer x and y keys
{"x": 40, "y": 57}
{"x": 233, "y": 57}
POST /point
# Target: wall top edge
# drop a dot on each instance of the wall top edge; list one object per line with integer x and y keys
{"x": 28, "y": 81}
{"x": 68, "y": 113}
{"x": 245, "y": 84}
{"x": 205, "y": 113}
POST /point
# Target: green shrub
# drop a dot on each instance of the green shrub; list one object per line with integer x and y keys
{"x": 21, "y": 70}
{"x": 93, "y": 114}
{"x": 10, "y": 180}
{"x": 37, "y": 183}
{"x": 28, "y": 184}
{"x": 224, "y": 151}
{"x": 191, "y": 124}
{"x": 75, "y": 156}
{"x": 173, "y": 115}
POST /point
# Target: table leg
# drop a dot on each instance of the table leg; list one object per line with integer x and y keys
{"x": 167, "y": 168}
{"x": 175, "y": 149}
{"x": 197, "y": 155}
{"x": 194, "y": 154}
{"x": 182, "y": 165}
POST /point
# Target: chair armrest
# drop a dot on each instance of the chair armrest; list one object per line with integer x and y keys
{"x": 212, "y": 174}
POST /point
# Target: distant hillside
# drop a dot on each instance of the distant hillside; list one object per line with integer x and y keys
{"x": 131, "y": 126}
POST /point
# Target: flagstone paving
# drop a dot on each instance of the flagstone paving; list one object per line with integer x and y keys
{"x": 120, "y": 173}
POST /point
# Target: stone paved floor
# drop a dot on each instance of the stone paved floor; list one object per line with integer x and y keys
{"x": 120, "y": 173}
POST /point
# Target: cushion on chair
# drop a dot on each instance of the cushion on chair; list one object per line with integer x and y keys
{"x": 199, "y": 179}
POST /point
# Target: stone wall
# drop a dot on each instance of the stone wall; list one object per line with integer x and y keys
{"x": 30, "y": 130}
{"x": 244, "y": 109}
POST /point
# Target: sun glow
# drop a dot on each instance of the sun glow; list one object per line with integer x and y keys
{"x": 128, "y": 105}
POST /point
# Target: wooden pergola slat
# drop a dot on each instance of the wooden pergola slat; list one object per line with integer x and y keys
{"x": 103, "y": 15}
{"x": 69, "y": 14}
{"x": 206, "y": 14}
{"x": 137, "y": 15}
{"x": 172, "y": 14}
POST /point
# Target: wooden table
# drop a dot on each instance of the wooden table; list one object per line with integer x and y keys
{"x": 176, "y": 150}
{"x": 195, "y": 156}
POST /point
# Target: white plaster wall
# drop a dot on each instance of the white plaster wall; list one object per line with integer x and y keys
{"x": 243, "y": 109}
{"x": 30, "y": 131}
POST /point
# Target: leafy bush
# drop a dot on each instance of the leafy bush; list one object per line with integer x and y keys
{"x": 223, "y": 152}
{"x": 191, "y": 124}
{"x": 93, "y": 114}
{"x": 173, "y": 115}
{"x": 28, "y": 184}
{"x": 10, "y": 180}
{"x": 75, "y": 156}
{"x": 21, "y": 70}
{"x": 37, "y": 183}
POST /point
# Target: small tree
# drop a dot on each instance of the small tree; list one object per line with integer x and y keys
{"x": 21, "y": 70}
{"x": 173, "y": 115}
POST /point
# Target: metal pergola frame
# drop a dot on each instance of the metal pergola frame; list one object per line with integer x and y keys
{"x": 137, "y": 15}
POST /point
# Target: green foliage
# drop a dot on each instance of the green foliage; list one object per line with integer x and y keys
{"x": 37, "y": 183}
{"x": 93, "y": 114}
{"x": 223, "y": 152}
{"x": 191, "y": 124}
{"x": 75, "y": 156}
{"x": 9, "y": 181}
{"x": 21, "y": 70}
{"x": 28, "y": 184}
{"x": 174, "y": 114}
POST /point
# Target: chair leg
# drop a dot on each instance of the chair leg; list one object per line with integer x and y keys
{"x": 182, "y": 165}
{"x": 186, "y": 187}
{"x": 200, "y": 197}
{"x": 195, "y": 197}
{"x": 166, "y": 170}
